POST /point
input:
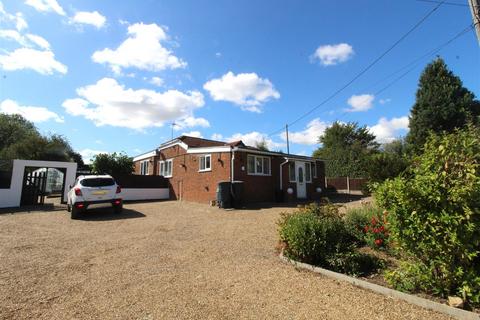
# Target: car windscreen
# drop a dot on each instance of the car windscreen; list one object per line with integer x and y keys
{"x": 97, "y": 182}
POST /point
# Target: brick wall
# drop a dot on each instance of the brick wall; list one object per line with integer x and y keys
{"x": 187, "y": 183}
{"x": 152, "y": 166}
{"x": 257, "y": 188}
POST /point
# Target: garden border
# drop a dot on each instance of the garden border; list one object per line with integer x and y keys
{"x": 425, "y": 303}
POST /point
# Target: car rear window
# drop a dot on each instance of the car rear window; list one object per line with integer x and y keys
{"x": 97, "y": 182}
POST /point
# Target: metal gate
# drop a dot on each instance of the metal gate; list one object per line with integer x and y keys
{"x": 33, "y": 190}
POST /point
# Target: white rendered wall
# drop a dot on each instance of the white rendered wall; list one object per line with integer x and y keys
{"x": 11, "y": 197}
{"x": 130, "y": 194}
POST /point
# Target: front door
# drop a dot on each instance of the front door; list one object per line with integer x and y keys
{"x": 301, "y": 185}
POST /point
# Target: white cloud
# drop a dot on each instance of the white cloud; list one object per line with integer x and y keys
{"x": 384, "y": 101}
{"x": 247, "y": 90}
{"x": 42, "y": 62}
{"x": 157, "y": 81}
{"x": 109, "y": 103}
{"x": 251, "y": 138}
{"x": 91, "y": 18}
{"x": 17, "y": 19}
{"x": 28, "y": 40}
{"x": 39, "y": 41}
{"x": 34, "y": 114}
{"x": 330, "y": 55}
{"x": 361, "y": 102}
{"x": 190, "y": 122}
{"x": 218, "y": 54}
{"x": 143, "y": 49}
{"x": 196, "y": 134}
{"x": 387, "y": 130}
{"x": 46, "y": 6}
{"x": 310, "y": 135}
{"x": 216, "y": 136}
{"x": 89, "y": 154}
{"x": 20, "y": 22}
{"x": 14, "y": 35}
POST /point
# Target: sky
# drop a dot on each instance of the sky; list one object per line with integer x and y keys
{"x": 118, "y": 76}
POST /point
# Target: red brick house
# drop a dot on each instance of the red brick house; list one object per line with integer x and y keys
{"x": 194, "y": 167}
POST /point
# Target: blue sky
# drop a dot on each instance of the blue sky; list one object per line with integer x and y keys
{"x": 113, "y": 75}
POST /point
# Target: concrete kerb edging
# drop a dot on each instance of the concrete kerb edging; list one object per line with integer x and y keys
{"x": 424, "y": 303}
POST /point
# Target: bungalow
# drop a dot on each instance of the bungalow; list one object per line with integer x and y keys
{"x": 195, "y": 166}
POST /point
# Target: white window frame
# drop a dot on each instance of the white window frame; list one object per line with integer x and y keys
{"x": 203, "y": 158}
{"x": 314, "y": 169}
{"x": 290, "y": 164}
{"x": 144, "y": 167}
{"x": 309, "y": 164}
{"x": 163, "y": 167}
{"x": 255, "y": 173}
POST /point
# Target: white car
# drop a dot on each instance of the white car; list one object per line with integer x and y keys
{"x": 93, "y": 189}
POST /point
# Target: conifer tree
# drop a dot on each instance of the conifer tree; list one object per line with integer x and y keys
{"x": 442, "y": 104}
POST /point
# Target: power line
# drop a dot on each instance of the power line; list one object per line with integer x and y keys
{"x": 416, "y": 61}
{"x": 364, "y": 70}
{"x": 445, "y": 2}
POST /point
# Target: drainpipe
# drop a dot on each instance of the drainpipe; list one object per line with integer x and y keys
{"x": 232, "y": 168}
{"x": 281, "y": 173}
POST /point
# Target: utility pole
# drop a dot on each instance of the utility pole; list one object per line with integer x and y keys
{"x": 288, "y": 143}
{"x": 475, "y": 9}
{"x": 173, "y": 125}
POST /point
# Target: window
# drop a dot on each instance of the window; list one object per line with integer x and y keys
{"x": 97, "y": 182}
{"x": 257, "y": 165}
{"x": 205, "y": 163}
{"x": 166, "y": 168}
{"x": 144, "y": 167}
{"x": 300, "y": 174}
{"x": 314, "y": 169}
{"x": 251, "y": 165}
{"x": 308, "y": 172}
{"x": 291, "y": 169}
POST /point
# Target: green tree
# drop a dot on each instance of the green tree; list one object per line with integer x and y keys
{"x": 389, "y": 162}
{"x": 442, "y": 104}
{"x": 397, "y": 147}
{"x": 113, "y": 164}
{"x": 346, "y": 147}
{"x": 15, "y": 128}
{"x": 262, "y": 145}
{"x": 434, "y": 214}
{"x": 384, "y": 165}
{"x": 19, "y": 139}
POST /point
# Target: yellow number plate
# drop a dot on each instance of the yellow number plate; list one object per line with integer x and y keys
{"x": 99, "y": 193}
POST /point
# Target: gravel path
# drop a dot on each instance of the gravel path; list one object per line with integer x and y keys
{"x": 168, "y": 260}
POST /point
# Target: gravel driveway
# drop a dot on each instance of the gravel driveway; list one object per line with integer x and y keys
{"x": 167, "y": 260}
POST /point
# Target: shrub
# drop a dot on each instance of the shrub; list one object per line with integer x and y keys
{"x": 376, "y": 231}
{"x": 313, "y": 239}
{"x": 360, "y": 224}
{"x": 325, "y": 209}
{"x": 410, "y": 277}
{"x": 355, "y": 263}
{"x": 365, "y": 189}
{"x": 435, "y": 213}
{"x": 382, "y": 166}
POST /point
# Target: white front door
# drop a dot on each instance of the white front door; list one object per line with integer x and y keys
{"x": 301, "y": 185}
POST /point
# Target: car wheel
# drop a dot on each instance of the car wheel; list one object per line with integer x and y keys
{"x": 75, "y": 213}
{"x": 118, "y": 209}
{"x": 69, "y": 207}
